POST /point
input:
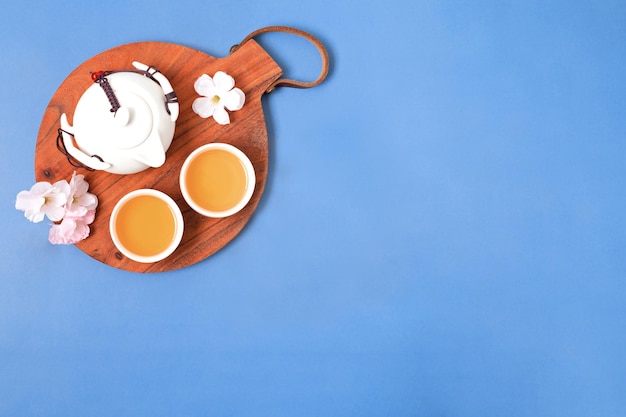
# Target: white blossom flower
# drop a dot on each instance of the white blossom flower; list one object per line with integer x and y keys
{"x": 219, "y": 93}
{"x": 79, "y": 201}
{"x": 43, "y": 199}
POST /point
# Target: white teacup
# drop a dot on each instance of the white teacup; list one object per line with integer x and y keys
{"x": 146, "y": 225}
{"x": 217, "y": 180}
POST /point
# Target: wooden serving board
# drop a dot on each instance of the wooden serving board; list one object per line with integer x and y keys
{"x": 253, "y": 70}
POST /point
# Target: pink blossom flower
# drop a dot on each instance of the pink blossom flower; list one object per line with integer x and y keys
{"x": 219, "y": 93}
{"x": 43, "y": 199}
{"x": 69, "y": 205}
{"x": 72, "y": 229}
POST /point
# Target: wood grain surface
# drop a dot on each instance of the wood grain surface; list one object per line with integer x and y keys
{"x": 253, "y": 70}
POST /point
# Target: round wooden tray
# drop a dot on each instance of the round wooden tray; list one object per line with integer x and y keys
{"x": 253, "y": 70}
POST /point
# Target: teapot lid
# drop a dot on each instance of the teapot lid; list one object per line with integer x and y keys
{"x": 117, "y": 110}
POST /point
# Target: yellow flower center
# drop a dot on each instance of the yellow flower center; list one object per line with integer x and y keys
{"x": 215, "y": 99}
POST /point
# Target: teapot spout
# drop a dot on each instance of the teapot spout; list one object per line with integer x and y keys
{"x": 151, "y": 152}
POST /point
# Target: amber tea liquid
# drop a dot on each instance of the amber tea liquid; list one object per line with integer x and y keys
{"x": 145, "y": 225}
{"x": 216, "y": 180}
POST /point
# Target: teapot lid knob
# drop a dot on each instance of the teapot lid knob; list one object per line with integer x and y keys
{"x": 122, "y": 116}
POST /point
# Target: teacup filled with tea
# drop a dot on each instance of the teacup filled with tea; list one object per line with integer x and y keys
{"x": 217, "y": 180}
{"x": 146, "y": 225}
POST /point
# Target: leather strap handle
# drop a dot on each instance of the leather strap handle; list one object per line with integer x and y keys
{"x": 285, "y": 81}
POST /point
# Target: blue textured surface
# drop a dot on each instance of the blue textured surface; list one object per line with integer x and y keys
{"x": 442, "y": 233}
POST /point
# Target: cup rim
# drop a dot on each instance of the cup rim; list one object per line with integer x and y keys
{"x": 249, "y": 168}
{"x": 178, "y": 219}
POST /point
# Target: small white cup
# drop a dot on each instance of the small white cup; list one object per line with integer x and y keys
{"x": 142, "y": 223}
{"x": 246, "y": 166}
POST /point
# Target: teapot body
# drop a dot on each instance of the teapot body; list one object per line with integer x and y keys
{"x": 126, "y": 138}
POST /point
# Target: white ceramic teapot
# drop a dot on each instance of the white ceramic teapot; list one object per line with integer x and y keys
{"x": 123, "y": 123}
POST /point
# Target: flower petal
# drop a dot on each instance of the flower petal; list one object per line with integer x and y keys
{"x": 86, "y": 216}
{"x": 88, "y": 201}
{"x": 234, "y": 99}
{"x": 40, "y": 188}
{"x": 78, "y": 185}
{"x": 30, "y": 203}
{"x": 203, "y": 106}
{"x": 69, "y": 231}
{"x": 67, "y": 227}
{"x": 221, "y": 115}
{"x": 89, "y": 217}
{"x": 55, "y": 236}
{"x": 34, "y": 216}
{"x": 62, "y": 233}
{"x": 54, "y": 213}
{"x": 74, "y": 211}
{"x": 62, "y": 187}
{"x": 81, "y": 232}
{"x": 27, "y": 200}
{"x": 205, "y": 86}
{"x": 223, "y": 82}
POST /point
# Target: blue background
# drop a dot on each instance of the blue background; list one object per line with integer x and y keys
{"x": 442, "y": 232}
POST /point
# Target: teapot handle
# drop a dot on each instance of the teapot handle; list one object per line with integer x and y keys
{"x": 77, "y": 157}
{"x": 285, "y": 81}
{"x": 170, "y": 95}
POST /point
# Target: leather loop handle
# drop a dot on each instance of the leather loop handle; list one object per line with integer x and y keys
{"x": 285, "y": 81}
